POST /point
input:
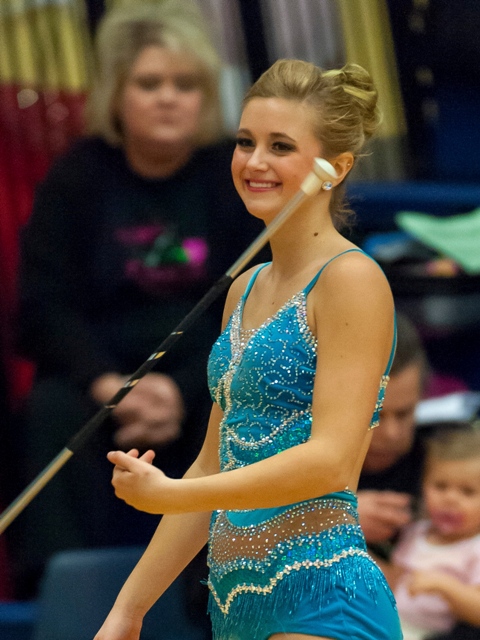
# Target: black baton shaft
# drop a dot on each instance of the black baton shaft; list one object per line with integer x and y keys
{"x": 82, "y": 436}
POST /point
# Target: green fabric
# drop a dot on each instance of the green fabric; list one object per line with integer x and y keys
{"x": 456, "y": 236}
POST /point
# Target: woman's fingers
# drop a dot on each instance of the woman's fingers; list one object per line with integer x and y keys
{"x": 130, "y": 461}
{"x": 148, "y": 456}
{"x": 126, "y": 461}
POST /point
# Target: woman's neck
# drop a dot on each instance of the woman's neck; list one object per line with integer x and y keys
{"x": 305, "y": 239}
{"x": 158, "y": 162}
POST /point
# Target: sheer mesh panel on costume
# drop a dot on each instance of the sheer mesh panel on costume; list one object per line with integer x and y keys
{"x": 230, "y": 542}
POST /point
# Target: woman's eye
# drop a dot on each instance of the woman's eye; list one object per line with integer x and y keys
{"x": 183, "y": 84}
{"x": 283, "y": 147}
{"x": 245, "y": 143}
{"x": 187, "y": 83}
{"x": 148, "y": 84}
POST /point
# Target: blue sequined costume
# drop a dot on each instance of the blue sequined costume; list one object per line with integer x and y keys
{"x": 301, "y": 568}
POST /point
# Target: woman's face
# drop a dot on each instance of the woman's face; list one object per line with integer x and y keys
{"x": 162, "y": 99}
{"x": 275, "y": 151}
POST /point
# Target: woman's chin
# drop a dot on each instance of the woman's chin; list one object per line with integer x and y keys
{"x": 262, "y": 213}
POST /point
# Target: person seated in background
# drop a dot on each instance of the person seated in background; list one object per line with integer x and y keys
{"x": 390, "y": 479}
{"x": 390, "y": 482}
{"x": 128, "y": 230}
{"x": 435, "y": 567}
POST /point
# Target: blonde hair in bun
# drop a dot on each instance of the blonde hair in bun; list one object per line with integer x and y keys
{"x": 344, "y": 103}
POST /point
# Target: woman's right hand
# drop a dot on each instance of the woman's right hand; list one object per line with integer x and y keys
{"x": 118, "y": 627}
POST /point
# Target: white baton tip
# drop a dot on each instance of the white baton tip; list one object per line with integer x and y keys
{"x": 311, "y": 185}
{"x": 323, "y": 169}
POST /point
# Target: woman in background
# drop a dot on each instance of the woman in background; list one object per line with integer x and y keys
{"x": 128, "y": 230}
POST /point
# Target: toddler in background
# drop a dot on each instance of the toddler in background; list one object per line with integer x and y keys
{"x": 435, "y": 567}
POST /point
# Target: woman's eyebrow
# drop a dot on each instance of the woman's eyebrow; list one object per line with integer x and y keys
{"x": 280, "y": 134}
{"x": 273, "y": 134}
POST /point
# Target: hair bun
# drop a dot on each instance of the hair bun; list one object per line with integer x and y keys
{"x": 358, "y": 84}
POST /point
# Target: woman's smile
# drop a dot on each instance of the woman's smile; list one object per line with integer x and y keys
{"x": 257, "y": 185}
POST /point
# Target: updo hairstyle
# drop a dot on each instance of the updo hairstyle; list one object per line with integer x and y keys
{"x": 345, "y": 102}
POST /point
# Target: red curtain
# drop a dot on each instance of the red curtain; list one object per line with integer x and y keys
{"x": 45, "y": 63}
{"x": 45, "y": 56}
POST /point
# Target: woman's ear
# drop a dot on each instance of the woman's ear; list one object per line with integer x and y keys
{"x": 342, "y": 165}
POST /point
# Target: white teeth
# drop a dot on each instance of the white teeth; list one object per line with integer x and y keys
{"x": 261, "y": 185}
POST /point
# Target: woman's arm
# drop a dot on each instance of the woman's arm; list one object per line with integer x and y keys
{"x": 176, "y": 541}
{"x": 54, "y": 286}
{"x": 352, "y": 313}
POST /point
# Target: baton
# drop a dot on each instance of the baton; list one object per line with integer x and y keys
{"x": 322, "y": 171}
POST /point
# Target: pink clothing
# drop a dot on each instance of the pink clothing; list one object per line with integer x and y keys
{"x": 413, "y": 552}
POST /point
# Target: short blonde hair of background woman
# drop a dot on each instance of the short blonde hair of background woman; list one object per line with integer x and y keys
{"x": 124, "y": 31}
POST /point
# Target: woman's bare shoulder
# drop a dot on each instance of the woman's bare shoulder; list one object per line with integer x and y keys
{"x": 355, "y": 270}
{"x": 354, "y": 281}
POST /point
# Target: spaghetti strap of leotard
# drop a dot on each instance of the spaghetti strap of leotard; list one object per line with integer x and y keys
{"x": 253, "y": 277}
{"x": 309, "y": 286}
{"x": 313, "y": 282}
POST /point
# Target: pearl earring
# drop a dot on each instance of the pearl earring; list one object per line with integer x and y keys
{"x": 327, "y": 185}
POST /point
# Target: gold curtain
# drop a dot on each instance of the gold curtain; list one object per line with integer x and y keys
{"x": 45, "y": 44}
{"x": 368, "y": 41}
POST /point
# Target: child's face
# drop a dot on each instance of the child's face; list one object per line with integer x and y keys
{"x": 452, "y": 497}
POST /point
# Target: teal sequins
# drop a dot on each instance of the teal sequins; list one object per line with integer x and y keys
{"x": 263, "y": 558}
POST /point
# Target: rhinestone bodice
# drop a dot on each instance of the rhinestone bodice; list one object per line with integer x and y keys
{"x": 263, "y": 381}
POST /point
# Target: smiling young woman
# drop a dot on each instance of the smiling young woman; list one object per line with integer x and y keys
{"x": 297, "y": 379}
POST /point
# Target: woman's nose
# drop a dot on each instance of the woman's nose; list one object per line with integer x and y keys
{"x": 257, "y": 159}
{"x": 167, "y": 92}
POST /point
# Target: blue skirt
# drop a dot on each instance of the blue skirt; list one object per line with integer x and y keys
{"x": 302, "y": 568}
